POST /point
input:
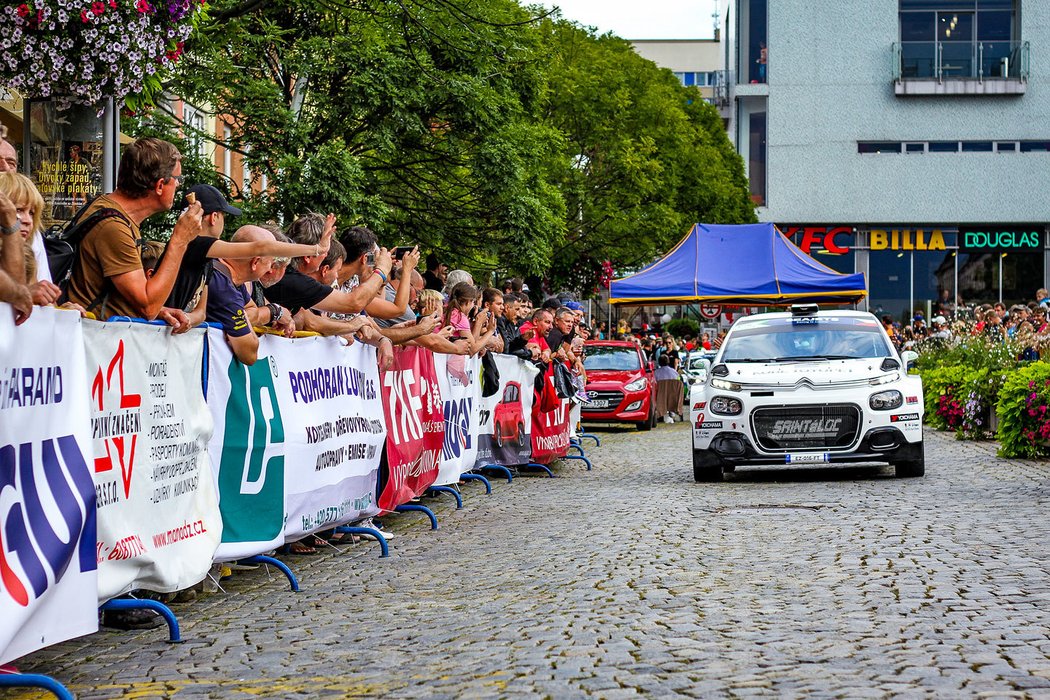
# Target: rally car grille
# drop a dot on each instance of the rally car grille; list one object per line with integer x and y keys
{"x": 603, "y": 400}
{"x": 824, "y": 427}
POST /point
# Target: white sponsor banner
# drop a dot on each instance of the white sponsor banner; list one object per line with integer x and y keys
{"x": 298, "y": 439}
{"x": 460, "y": 405}
{"x": 333, "y": 428}
{"x": 48, "y": 583}
{"x": 158, "y": 514}
{"x": 505, "y": 418}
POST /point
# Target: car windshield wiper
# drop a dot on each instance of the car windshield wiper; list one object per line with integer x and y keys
{"x": 818, "y": 358}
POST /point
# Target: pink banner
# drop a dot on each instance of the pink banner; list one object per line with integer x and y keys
{"x": 415, "y": 426}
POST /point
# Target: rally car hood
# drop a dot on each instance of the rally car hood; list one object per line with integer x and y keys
{"x": 814, "y": 373}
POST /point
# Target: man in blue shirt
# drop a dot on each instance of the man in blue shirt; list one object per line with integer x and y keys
{"x": 228, "y": 297}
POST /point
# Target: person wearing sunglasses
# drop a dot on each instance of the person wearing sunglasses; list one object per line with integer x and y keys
{"x": 107, "y": 278}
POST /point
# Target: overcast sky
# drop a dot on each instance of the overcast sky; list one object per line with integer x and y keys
{"x": 643, "y": 19}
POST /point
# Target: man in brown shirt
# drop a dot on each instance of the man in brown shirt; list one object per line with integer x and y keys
{"x": 107, "y": 278}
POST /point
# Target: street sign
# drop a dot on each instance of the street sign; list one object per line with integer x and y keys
{"x": 710, "y": 310}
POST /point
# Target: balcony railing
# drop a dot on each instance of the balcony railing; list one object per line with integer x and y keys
{"x": 720, "y": 89}
{"x": 961, "y": 60}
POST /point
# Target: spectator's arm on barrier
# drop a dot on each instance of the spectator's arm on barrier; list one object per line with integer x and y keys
{"x": 17, "y": 295}
{"x": 262, "y": 249}
{"x": 325, "y": 325}
{"x": 437, "y": 343}
{"x": 245, "y": 347}
{"x": 199, "y": 314}
{"x": 399, "y": 335}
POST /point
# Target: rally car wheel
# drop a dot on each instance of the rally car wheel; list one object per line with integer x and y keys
{"x": 707, "y": 467}
{"x": 499, "y": 436}
{"x": 521, "y": 435}
{"x": 910, "y": 469}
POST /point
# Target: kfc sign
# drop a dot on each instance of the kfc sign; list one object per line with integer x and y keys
{"x": 823, "y": 236}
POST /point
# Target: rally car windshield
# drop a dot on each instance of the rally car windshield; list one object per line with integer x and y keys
{"x": 611, "y": 357}
{"x": 806, "y": 339}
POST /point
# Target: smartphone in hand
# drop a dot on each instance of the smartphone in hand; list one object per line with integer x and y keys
{"x": 399, "y": 252}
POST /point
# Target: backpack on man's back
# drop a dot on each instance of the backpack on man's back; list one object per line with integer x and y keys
{"x": 62, "y": 243}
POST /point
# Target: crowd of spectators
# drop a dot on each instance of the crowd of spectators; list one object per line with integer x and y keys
{"x": 306, "y": 276}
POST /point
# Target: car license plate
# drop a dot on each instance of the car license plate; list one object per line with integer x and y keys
{"x": 808, "y": 458}
{"x": 599, "y": 403}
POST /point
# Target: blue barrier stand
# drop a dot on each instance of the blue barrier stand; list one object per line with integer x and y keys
{"x": 280, "y": 565}
{"x": 407, "y": 508}
{"x": 498, "y": 468}
{"x": 477, "y": 477}
{"x": 544, "y": 467}
{"x": 577, "y": 446}
{"x": 584, "y": 458}
{"x": 367, "y": 532}
{"x": 448, "y": 489}
{"x": 34, "y": 680}
{"x": 597, "y": 440}
{"x": 134, "y": 604}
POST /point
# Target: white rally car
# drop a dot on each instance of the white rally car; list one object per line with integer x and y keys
{"x": 807, "y": 387}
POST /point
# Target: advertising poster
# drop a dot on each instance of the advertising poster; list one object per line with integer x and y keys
{"x": 158, "y": 518}
{"x": 48, "y": 566}
{"x": 333, "y": 430}
{"x": 415, "y": 423}
{"x": 505, "y": 418}
{"x": 460, "y": 406}
{"x": 550, "y": 429}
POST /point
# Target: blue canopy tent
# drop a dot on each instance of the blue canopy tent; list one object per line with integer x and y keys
{"x": 746, "y": 264}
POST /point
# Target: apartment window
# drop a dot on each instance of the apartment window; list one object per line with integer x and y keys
{"x": 227, "y": 154}
{"x": 959, "y": 38}
{"x": 1006, "y": 147}
{"x": 915, "y": 148}
{"x": 976, "y": 146}
{"x": 943, "y": 147}
{"x": 1035, "y": 146}
{"x": 753, "y": 56}
{"x": 878, "y": 147}
{"x": 195, "y": 130}
{"x": 246, "y": 189}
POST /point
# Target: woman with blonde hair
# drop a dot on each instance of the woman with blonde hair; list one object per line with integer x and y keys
{"x": 29, "y": 206}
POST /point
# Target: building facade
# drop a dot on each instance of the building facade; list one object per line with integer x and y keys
{"x": 905, "y": 139}
{"x": 695, "y": 62}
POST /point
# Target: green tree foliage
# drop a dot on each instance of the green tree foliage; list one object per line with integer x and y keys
{"x": 413, "y": 117}
{"x": 645, "y": 157}
{"x": 497, "y": 137}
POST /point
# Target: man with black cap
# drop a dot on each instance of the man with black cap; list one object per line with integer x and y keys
{"x": 190, "y": 290}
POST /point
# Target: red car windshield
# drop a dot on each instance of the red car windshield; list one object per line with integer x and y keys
{"x": 611, "y": 358}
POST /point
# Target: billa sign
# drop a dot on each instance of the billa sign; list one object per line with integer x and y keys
{"x": 836, "y": 239}
{"x": 995, "y": 238}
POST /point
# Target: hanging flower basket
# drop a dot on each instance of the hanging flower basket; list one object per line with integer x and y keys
{"x": 83, "y": 51}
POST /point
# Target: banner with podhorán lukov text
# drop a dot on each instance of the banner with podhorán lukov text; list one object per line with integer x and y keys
{"x": 505, "y": 418}
{"x": 158, "y": 524}
{"x": 333, "y": 430}
{"x": 459, "y": 400}
{"x": 248, "y": 449}
{"x": 415, "y": 426}
{"x": 48, "y": 582}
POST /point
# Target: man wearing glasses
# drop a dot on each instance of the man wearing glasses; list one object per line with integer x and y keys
{"x": 107, "y": 278}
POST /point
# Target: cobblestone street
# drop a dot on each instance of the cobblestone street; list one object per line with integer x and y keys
{"x": 632, "y": 580}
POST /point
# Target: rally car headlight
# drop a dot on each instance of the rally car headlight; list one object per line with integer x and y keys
{"x": 886, "y": 400}
{"x": 726, "y": 406}
{"x": 636, "y": 385}
{"x": 724, "y": 384}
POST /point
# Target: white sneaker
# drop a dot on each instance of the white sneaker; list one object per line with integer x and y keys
{"x": 367, "y": 522}
{"x": 668, "y": 418}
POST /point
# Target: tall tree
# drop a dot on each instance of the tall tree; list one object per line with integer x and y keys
{"x": 413, "y": 116}
{"x": 645, "y": 157}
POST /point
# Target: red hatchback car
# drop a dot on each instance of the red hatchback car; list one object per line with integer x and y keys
{"x": 507, "y": 422}
{"x": 620, "y": 384}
